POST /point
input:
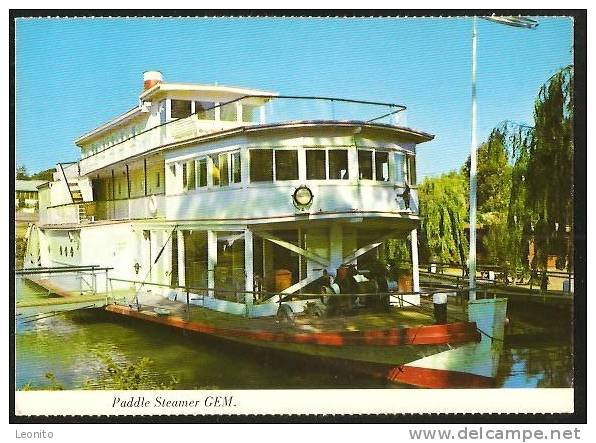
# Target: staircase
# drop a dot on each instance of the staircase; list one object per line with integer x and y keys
{"x": 77, "y": 197}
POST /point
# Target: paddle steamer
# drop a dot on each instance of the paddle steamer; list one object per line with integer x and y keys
{"x": 248, "y": 205}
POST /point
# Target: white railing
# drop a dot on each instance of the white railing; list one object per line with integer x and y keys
{"x": 271, "y": 110}
{"x": 90, "y": 212}
{"x": 175, "y": 131}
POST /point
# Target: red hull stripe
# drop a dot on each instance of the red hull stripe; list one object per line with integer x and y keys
{"x": 437, "y": 378}
{"x": 453, "y": 333}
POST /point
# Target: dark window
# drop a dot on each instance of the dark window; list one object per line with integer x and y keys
{"x": 228, "y": 112}
{"x": 261, "y": 165}
{"x": 365, "y": 165}
{"x": 316, "y": 168}
{"x": 382, "y": 166}
{"x": 180, "y": 108}
{"x": 205, "y": 110}
{"x": 286, "y": 164}
{"x": 236, "y": 168}
{"x": 250, "y": 113}
{"x": 184, "y": 176}
{"x": 157, "y": 180}
{"x": 61, "y": 250}
{"x": 338, "y": 164}
{"x": 202, "y": 172}
{"x": 215, "y": 173}
{"x": 71, "y": 252}
{"x": 411, "y": 170}
{"x": 191, "y": 175}
{"x": 224, "y": 178}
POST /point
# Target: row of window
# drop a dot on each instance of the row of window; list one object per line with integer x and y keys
{"x": 65, "y": 251}
{"x": 26, "y": 195}
{"x": 205, "y": 110}
{"x": 268, "y": 165}
{"x": 114, "y": 138}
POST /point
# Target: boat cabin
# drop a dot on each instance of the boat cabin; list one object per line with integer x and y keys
{"x": 233, "y": 194}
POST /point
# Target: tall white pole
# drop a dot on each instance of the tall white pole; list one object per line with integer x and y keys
{"x": 472, "y": 255}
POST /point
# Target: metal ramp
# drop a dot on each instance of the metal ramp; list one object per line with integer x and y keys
{"x": 54, "y": 290}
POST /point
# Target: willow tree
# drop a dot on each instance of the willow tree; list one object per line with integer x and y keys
{"x": 443, "y": 212}
{"x": 540, "y": 207}
{"x": 493, "y": 175}
{"x": 549, "y": 176}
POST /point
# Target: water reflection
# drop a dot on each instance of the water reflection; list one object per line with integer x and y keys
{"x": 68, "y": 345}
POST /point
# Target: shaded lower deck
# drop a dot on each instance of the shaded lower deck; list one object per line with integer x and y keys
{"x": 399, "y": 336}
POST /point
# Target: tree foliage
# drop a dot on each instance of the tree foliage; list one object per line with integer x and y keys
{"x": 549, "y": 176}
{"x": 21, "y": 173}
{"x": 493, "y": 175}
{"x": 541, "y": 198}
{"x": 443, "y": 212}
{"x": 47, "y": 175}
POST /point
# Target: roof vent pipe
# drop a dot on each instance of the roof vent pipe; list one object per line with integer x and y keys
{"x": 151, "y": 78}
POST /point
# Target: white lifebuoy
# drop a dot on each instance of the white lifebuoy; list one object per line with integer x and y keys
{"x": 153, "y": 205}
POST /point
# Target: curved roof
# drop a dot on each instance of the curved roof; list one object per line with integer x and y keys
{"x": 407, "y": 133}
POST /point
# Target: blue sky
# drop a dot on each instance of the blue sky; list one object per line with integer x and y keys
{"x": 73, "y": 74}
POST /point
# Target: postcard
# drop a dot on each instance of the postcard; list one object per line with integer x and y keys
{"x": 295, "y": 215}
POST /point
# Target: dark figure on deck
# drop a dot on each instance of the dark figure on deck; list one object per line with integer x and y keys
{"x": 378, "y": 273}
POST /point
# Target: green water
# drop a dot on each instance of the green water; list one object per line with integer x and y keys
{"x": 66, "y": 345}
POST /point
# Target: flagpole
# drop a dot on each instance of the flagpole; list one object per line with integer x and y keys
{"x": 473, "y": 178}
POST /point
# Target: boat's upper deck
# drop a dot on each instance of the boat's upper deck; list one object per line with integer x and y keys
{"x": 183, "y": 117}
{"x": 213, "y": 153}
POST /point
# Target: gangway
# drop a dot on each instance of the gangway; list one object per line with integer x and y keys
{"x": 55, "y": 290}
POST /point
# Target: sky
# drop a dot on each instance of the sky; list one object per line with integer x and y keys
{"x": 74, "y": 74}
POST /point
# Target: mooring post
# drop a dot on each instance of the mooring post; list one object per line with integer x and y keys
{"x": 187, "y": 305}
{"x": 107, "y": 286}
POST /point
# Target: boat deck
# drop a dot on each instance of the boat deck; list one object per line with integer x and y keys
{"x": 358, "y": 320}
{"x": 394, "y": 338}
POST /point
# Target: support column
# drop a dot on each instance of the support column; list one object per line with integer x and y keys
{"x": 181, "y": 260}
{"x": 414, "y": 250}
{"x": 335, "y": 247}
{"x": 211, "y": 260}
{"x": 156, "y": 243}
{"x": 248, "y": 271}
{"x": 145, "y": 176}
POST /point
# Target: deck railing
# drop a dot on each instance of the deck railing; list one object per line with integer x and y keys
{"x": 271, "y": 110}
{"x": 88, "y": 212}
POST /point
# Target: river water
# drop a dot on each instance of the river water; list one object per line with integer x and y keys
{"x": 68, "y": 346}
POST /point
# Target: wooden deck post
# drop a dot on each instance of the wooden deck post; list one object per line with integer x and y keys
{"x": 335, "y": 247}
{"x": 248, "y": 271}
{"x": 211, "y": 260}
{"x": 415, "y": 274}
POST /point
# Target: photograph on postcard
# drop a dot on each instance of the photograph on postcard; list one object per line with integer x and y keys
{"x": 293, "y": 203}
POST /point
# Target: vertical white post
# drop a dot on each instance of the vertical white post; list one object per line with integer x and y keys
{"x": 472, "y": 255}
{"x": 414, "y": 251}
{"x": 262, "y": 115}
{"x": 335, "y": 247}
{"x": 248, "y": 271}
{"x": 217, "y": 111}
{"x": 181, "y": 259}
{"x": 211, "y": 259}
{"x": 239, "y": 112}
{"x": 244, "y": 169}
